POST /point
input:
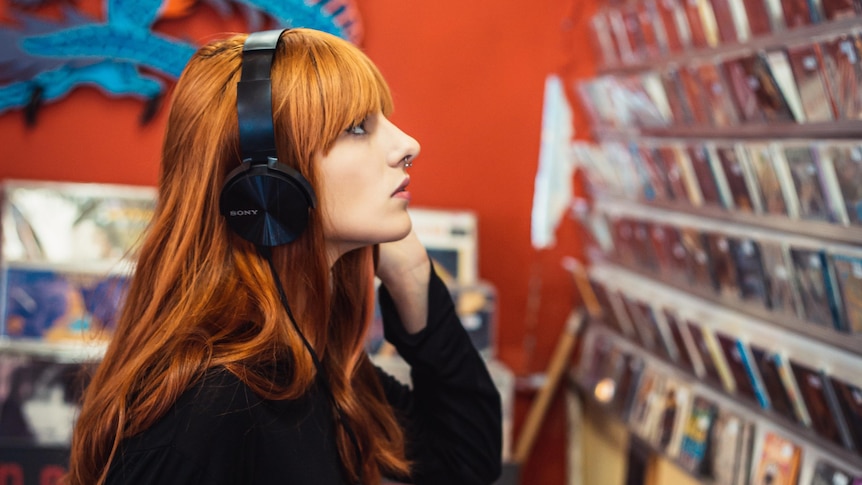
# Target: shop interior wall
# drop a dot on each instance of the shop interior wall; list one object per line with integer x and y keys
{"x": 468, "y": 81}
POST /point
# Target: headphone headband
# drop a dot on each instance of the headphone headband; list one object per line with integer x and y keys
{"x": 254, "y": 97}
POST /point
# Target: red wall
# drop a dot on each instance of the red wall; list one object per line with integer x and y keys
{"x": 468, "y": 81}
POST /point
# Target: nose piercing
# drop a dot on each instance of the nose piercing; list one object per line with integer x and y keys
{"x": 408, "y": 161}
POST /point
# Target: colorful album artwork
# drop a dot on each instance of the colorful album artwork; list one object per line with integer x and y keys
{"x": 847, "y": 162}
{"x": 848, "y": 276}
{"x": 729, "y": 445}
{"x": 810, "y": 275}
{"x": 783, "y": 294}
{"x": 807, "y": 63}
{"x": 703, "y": 172}
{"x": 816, "y": 391}
{"x": 768, "y": 184}
{"x": 735, "y": 172}
{"x": 718, "y": 101}
{"x": 61, "y": 306}
{"x": 826, "y": 473}
{"x": 753, "y": 282}
{"x": 844, "y": 74}
{"x": 767, "y": 363}
{"x": 695, "y": 439}
{"x": 849, "y": 398}
{"x": 779, "y": 461}
{"x": 802, "y": 163}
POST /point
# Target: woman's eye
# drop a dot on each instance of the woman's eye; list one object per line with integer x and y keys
{"x": 357, "y": 129}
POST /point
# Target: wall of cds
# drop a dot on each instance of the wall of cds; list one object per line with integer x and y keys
{"x": 726, "y": 184}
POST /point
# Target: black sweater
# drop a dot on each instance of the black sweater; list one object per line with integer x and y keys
{"x": 220, "y": 432}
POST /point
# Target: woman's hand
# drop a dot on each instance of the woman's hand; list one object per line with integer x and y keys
{"x": 404, "y": 268}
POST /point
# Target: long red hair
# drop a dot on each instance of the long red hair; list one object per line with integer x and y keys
{"x": 201, "y": 297}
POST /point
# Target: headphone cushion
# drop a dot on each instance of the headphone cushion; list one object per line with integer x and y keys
{"x": 264, "y": 205}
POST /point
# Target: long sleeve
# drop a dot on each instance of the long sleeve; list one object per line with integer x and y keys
{"x": 452, "y": 415}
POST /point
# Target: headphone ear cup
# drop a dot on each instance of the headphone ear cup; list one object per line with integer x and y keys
{"x": 267, "y": 206}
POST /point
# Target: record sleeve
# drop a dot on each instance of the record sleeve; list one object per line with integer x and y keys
{"x": 655, "y": 171}
{"x": 758, "y": 16}
{"x": 695, "y": 97}
{"x": 770, "y": 191}
{"x": 743, "y": 86}
{"x": 677, "y": 173}
{"x": 682, "y": 347}
{"x": 780, "y": 400}
{"x": 749, "y": 270}
{"x": 782, "y": 291}
{"x": 712, "y": 374}
{"x": 849, "y": 398}
{"x": 626, "y": 385}
{"x": 654, "y": 43}
{"x": 826, "y": 473}
{"x": 810, "y": 75}
{"x": 695, "y": 438}
{"x": 839, "y": 9}
{"x": 705, "y": 175}
{"x": 673, "y": 24}
{"x": 798, "y": 13}
{"x": 651, "y": 334}
{"x": 846, "y": 161}
{"x": 647, "y": 403}
{"x": 701, "y": 23}
{"x": 736, "y": 363}
{"x": 592, "y": 360}
{"x": 675, "y": 412}
{"x": 725, "y": 280}
{"x": 777, "y": 93}
{"x": 738, "y": 179}
{"x": 814, "y": 387}
{"x": 717, "y": 98}
{"x": 811, "y": 278}
{"x": 725, "y": 21}
{"x": 669, "y": 252}
{"x": 634, "y": 34}
{"x": 55, "y": 305}
{"x": 644, "y": 252}
{"x": 802, "y": 163}
{"x": 779, "y": 461}
{"x": 848, "y": 276}
{"x": 844, "y": 74}
{"x": 726, "y": 447}
{"x": 604, "y": 43}
{"x": 699, "y": 264}
{"x": 680, "y": 110}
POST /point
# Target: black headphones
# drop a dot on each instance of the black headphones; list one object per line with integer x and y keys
{"x": 262, "y": 200}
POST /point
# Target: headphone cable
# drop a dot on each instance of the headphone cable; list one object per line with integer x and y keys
{"x": 266, "y": 252}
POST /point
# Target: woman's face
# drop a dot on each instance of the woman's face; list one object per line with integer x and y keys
{"x": 364, "y": 186}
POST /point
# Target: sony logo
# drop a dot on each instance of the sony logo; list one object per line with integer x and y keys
{"x": 250, "y": 212}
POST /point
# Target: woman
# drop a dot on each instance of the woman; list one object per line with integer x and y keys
{"x": 219, "y": 372}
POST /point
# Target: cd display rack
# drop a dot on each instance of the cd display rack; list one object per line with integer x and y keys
{"x": 726, "y": 216}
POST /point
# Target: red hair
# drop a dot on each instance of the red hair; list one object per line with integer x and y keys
{"x": 201, "y": 297}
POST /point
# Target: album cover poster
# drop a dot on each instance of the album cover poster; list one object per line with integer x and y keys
{"x": 779, "y": 460}
{"x": 826, "y": 473}
{"x": 718, "y": 102}
{"x": 758, "y": 16}
{"x": 699, "y": 263}
{"x": 783, "y": 294}
{"x": 812, "y": 384}
{"x": 39, "y": 400}
{"x": 743, "y": 85}
{"x": 750, "y": 271}
{"x": 681, "y": 344}
{"x": 707, "y": 357}
{"x": 844, "y": 74}
{"x": 770, "y": 191}
{"x": 848, "y": 276}
{"x": 767, "y": 365}
{"x": 849, "y": 397}
{"x": 810, "y": 276}
{"x": 696, "y": 434}
{"x": 680, "y": 111}
{"x": 840, "y": 9}
{"x": 61, "y": 306}
{"x": 776, "y": 90}
{"x": 810, "y": 75}
{"x": 73, "y": 222}
{"x": 705, "y": 175}
{"x": 738, "y": 179}
{"x": 846, "y": 162}
{"x": 724, "y": 452}
{"x": 725, "y": 280}
{"x": 745, "y": 386}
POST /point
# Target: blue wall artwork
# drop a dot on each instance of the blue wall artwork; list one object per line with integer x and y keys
{"x": 43, "y": 59}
